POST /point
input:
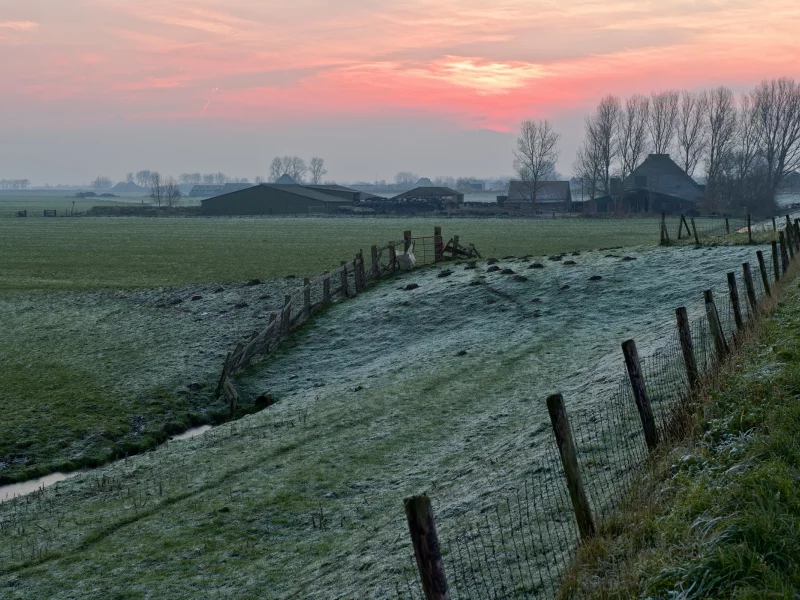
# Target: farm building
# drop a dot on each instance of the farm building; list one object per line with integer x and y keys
{"x": 550, "y": 196}
{"x": 657, "y": 185}
{"x": 280, "y": 199}
{"x": 433, "y": 196}
{"x": 208, "y": 191}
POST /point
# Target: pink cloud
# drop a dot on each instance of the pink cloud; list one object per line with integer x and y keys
{"x": 19, "y": 25}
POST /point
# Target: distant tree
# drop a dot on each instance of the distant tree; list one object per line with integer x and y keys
{"x": 220, "y": 178}
{"x": 190, "y": 178}
{"x": 663, "y": 120}
{"x": 171, "y": 193}
{"x": 317, "y": 170}
{"x": 406, "y": 178}
{"x": 590, "y": 166}
{"x": 536, "y": 155}
{"x": 293, "y": 166}
{"x": 157, "y": 187}
{"x": 602, "y": 129}
{"x": 129, "y": 178}
{"x": 259, "y": 180}
{"x": 208, "y": 178}
{"x": 446, "y": 181}
{"x": 691, "y": 130}
{"x": 143, "y": 178}
{"x": 632, "y": 133}
{"x": 101, "y": 183}
{"x": 23, "y": 184}
{"x": 776, "y": 106}
{"x": 720, "y": 120}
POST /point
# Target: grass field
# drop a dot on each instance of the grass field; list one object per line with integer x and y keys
{"x": 92, "y": 253}
{"x": 62, "y": 203}
{"x": 375, "y": 401}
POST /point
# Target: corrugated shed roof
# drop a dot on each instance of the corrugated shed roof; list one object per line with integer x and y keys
{"x": 546, "y": 191}
{"x": 427, "y": 192}
{"x": 662, "y": 175}
{"x": 297, "y": 190}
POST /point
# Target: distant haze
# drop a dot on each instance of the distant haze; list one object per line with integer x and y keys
{"x": 438, "y": 87}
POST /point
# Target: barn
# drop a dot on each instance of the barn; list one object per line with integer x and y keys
{"x": 550, "y": 196}
{"x": 280, "y": 199}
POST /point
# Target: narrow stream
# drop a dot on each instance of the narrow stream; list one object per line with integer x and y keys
{"x": 14, "y": 490}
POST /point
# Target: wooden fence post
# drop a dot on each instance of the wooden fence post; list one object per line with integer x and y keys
{"x": 694, "y": 229}
{"x": 687, "y": 347}
{"x": 727, "y": 226}
{"x": 664, "y": 234}
{"x": 737, "y": 309}
{"x": 362, "y": 270}
{"x": 640, "y": 393}
{"x": 751, "y": 289}
{"x": 307, "y": 296}
{"x": 406, "y": 240}
{"x": 356, "y": 282}
{"x": 749, "y": 230}
{"x": 784, "y": 256}
{"x": 797, "y": 233}
{"x": 392, "y": 257}
{"x": 374, "y": 270}
{"x": 789, "y": 237}
{"x": 286, "y": 314}
{"x": 762, "y": 266}
{"x": 774, "y": 225}
{"x": 326, "y": 289}
{"x": 569, "y": 460}
{"x": 680, "y": 227}
{"x": 343, "y": 266}
{"x": 720, "y": 343}
{"x": 427, "y": 549}
{"x": 775, "y": 265}
{"x": 438, "y": 245}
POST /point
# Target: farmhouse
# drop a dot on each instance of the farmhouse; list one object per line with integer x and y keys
{"x": 657, "y": 185}
{"x": 281, "y": 199}
{"x": 550, "y": 196}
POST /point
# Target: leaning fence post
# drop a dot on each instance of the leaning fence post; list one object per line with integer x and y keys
{"x": 343, "y": 272}
{"x": 687, "y": 347}
{"x": 427, "y": 549}
{"x": 640, "y": 393}
{"x": 569, "y": 460}
{"x": 774, "y": 225}
{"x": 326, "y": 289}
{"x": 737, "y": 309}
{"x": 784, "y": 256}
{"x": 749, "y": 231}
{"x": 748, "y": 285}
{"x": 694, "y": 229}
{"x": 714, "y": 324}
{"x": 762, "y": 266}
{"x": 775, "y": 265}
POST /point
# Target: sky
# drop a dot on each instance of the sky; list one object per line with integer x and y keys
{"x": 437, "y": 87}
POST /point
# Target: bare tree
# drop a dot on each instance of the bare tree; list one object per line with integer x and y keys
{"x": 317, "y": 170}
{"x": 536, "y": 155}
{"x": 602, "y": 127}
{"x": 590, "y": 166}
{"x": 101, "y": 183}
{"x": 776, "y": 106}
{"x": 632, "y": 133}
{"x": 143, "y": 177}
{"x": 721, "y": 123}
{"x": 157, "y": 191}
{"x": 275, "y": 169}
{"x": 129, "y": 178}
{"x": 220, "y": 178}
{"x": 406, "y": 178}
{"x": 663, "y": 120}
{"x": 171, "y": 192}
{"x": 692, "y": 137}
{"x": 295, "y": 167}
{"x": 208, "y": 178}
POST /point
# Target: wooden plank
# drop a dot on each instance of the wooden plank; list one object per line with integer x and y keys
{"x": 751, "y": 289}
{"x": 427, "y": 550}
{"x": 374, "y": 270}
{"x": 640, "y": 396}
{"x": 720, "y": 343}
{"x": 307, "y": 296}
{"x": 569, "y": 460}
{"x": 762, "y": 266}
{"x": 326, "y": 290}
{"x": 687, "y": 347}
{"x": 344, "y": 280}
{"x": 733, "y": 290}
{"x": 775, "y": 265}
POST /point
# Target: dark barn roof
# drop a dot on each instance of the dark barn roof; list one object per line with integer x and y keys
{"x": 272, "y": 198}
{"x": 658, "y": 173}
{"x": 429, "y": 193}
{"x": 546, "y": 191}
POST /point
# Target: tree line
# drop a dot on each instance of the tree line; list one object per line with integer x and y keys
{"x": 742, "y": 147}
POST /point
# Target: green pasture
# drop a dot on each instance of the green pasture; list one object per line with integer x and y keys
{"x": 93, "y": 253}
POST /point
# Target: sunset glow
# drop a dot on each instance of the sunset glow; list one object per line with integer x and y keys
{"x": 471, "y": 64}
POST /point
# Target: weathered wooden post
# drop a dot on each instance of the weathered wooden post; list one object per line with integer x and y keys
{"x": 784, "y": 256}
{"x": 343, "y": 272}
{"x": 406, "y": 240}
{"x": 797, "y": 233}
{"x": 727, "y": 226}
{"x": 663, "y": 240}
{"x": 427, "y": 549}
{"x": 775, "y": 265}
{"x": 392, "y": 257}
{"x": 751, "y": 289}
{"x": 326, "y": 289}
{"x": 374, "y": 270}
{"x": 687, "y": 347}
{"x": 737, "y": 309}
{"x": 569, "y": 460}
{"x": 640, "y": 393}
{"x": 362, "y": 270}
{"x": 762, "y": 266}
{"x": 307, "y": 297}
{"x": 286, "y": 314}
{"x": 790, "y": 238}
{"x": 680, "y": 227}
{"x": 749, "y": 230}
{"x": 694, "y": 229}
{"x": 774, "y": 225}
{"x": 356, "y": 282}
{"x": 438, "y": 245}
{"x": 714, "y": 324}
